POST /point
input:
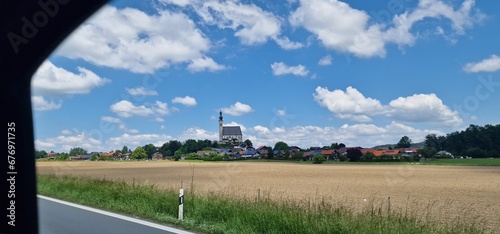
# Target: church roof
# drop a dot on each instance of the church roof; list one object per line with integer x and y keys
{"x": 231, "y": 130}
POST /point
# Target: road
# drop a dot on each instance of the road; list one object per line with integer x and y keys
{"x": 56, "y": 216}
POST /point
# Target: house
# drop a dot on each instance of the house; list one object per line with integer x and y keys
{"x": 157, "y": 156}
{"x": 202, "y": 153}
{"x": 250, "y": 154}
{"x": 311, "y": 153}
{"x": 229, "y": 134}
{"x": 107, "y": 154}
{"x": 444, "y": 153}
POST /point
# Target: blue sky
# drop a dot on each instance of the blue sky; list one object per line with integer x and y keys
{"x": 308, "y": 72}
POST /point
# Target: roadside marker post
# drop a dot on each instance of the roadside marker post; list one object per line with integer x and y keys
{"x": 181, "y": 203}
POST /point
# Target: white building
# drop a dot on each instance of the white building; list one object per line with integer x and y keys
{"x": 229, "y": 134}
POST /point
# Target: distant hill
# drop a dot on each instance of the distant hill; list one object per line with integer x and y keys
{"x": 416, "y": 145}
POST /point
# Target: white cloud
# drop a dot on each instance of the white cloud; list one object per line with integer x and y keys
{"x": 364, "y": 135}
{"x": 350, "y": 104}
{"x": 491, "y": 64}
{"x": 237, "y": 109}
{"x": 199, "y": 134}
{"x": 41, "y": 104}
{"x": 205, "y": 63}
{"x": 340, "y": 27}
{"x": 423, "y": 108}
{"x": 133, "y": 40}
{"x": 159, "y": 120}
{"x": 280, "y": 113}
{"x": 251, "y": 24}
{"x": 280, "y": 68}
{"x": 52, "y": 80}
{"x": 418, "y": 108}
{"x": 127, "y": 109}
{"x": 186, "y": 101}
{"x": 325, "y": 61}
{"x": 182, "y": 3}
{"x": 111, "y": 119}
{"x": 286, "y": 44}
{"x": 141, "y": 91}
{"x": 134, "y": 140}
{"x": 66, "y": 132}
{"x": 65, "y": 143}
{"x": 261, "y": 129}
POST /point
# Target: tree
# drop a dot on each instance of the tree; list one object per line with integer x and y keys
{"x": 94, "y": 157}
{"x": 248, "y": 142}
{"x": 77, "y": 151}
{"x": 40, "y": 154}
{"x": 337, "y": 145}
{"x": 150, "y": 150}
{"x": 280, "y": 145}
{"x": 298, "y": 155}
{"x": 270, "y": 153}
{"x": 405, "y": 142}
{"x": 427, "y": 152}
{"x": 125, "y": 149}
{"x": 191, "y": 146}
{"x": 369, "y": 156}
{"x": 354, "y": 154}
{"x": 318, "y": 159}
{"x": 139, "y": 153}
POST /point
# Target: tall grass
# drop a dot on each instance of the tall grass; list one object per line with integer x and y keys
{"x": 214, "y": 213}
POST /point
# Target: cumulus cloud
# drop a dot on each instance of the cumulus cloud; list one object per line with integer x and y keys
{"x": 491, "y": 64}
{"x": 141, "y": 91}
{"x": 205, "y": 63}
{"x": 186, "y": 101}
{"x": 350, "y": 104}
{"x": 417, "y": 108}
{"x": 198, "y": 133}
{"x": 237, "y": 109}
{"x": 325, "y": 61}
{"x": 41, "y": 104}
{"x": 127, "y": 109}
{"x": 342, "y": 28}
{"x": 111, "y": 119}
{"x": 280, "y": 68}
{"x": 250, "y": 23}
{"x": 423, "y": 108}
{"x": 136, "y": 41}
{"x": 55, "y": 81}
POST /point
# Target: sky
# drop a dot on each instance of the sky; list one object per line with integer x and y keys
{"x": 306, "y": 72}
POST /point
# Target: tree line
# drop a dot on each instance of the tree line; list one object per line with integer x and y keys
{"x": 475, "y": 141}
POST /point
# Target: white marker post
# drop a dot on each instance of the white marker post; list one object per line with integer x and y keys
{"x": 181, "y": 203}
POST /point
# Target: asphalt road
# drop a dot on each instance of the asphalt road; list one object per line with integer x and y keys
{"x": 58, "y": 217}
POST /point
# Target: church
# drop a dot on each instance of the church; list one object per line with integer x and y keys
{"x": 229, "y": 134}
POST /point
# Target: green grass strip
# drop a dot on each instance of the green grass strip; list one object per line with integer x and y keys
{"x": 213, "y": 213}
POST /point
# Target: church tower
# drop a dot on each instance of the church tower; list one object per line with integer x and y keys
{"x": 220, "y": 126}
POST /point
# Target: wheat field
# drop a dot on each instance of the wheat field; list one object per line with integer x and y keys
{"x": 434, "y": 193}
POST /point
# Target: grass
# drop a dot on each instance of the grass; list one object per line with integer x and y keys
{"x": 213, "y": 213}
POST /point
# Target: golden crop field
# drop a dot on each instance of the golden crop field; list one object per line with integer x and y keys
{"x": 444, "y": 193}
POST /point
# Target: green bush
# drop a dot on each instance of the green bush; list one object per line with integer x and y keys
{"x": 318, "y": 159}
